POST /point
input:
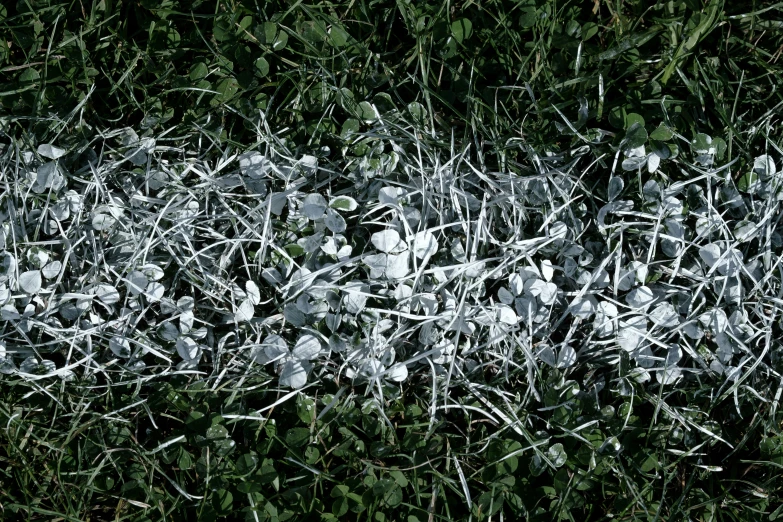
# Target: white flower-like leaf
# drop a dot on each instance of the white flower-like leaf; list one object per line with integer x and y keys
{"x": 547, "y": 292}
{"x": 7, "y": 365}
{"x": 673, "y": 355}
{"x": 52, "y": 270}
{"x": 152, "y": 272}
{"x": 344, "y": 252}
{"x": 693, "y": 330}
{"x": 155, "y": 291}
{"x": 710, "y": 254}
{"x": 389, "y": 265}
{"x": 353, "y": 299}
{"x": 330, "y": 246}
{"x": 604, "y": 323}
{"x": 506, "y": 315}
{"x": 60, "y": 210}
{"x": 313, "y": 206}
{"x": 390, "y": 195}
{"x": 48, "y": 177}
{"x": 616, "y": 186}
{"x": 527, "y": 309}
{"x": 120, "y": 346}
{"x": 640, "y": 298}
{"x": 504, "y": 296}
{"x": 670, "y": 375}
{"x": 634, "y": 162}
{"x": 188, "y": 349}
{"x": 47, "y": 150}
{"x": 715, "y": 320}
{"x": 7, "y": 267}
{"x": 335, "y": 222}
{"x": 136, "y": 282}
{"x": 764, "y": 166}
{"x": 293, "y": 374}
{"x": 344, "y": 203}
{"x": 9, "y": 313}
{"x": 279, "y": 200}
{"x": 37, "y": 257}
{"x": 429, "y": 334}
{"x": 293, "y": 315}
{"x": 388, "y": 241}
{"x": 107, "y": 294}
{"x": 516, "y": 284}
{"x": 631, "y": 333}
{"x": 547, "y": 354}
{"x": 424, "y": 244}
{"x": 397, "y": 373}
{"x": 665, "y": 316}
{"x": 426, "y": 302}
{"x": 254, "y": 165}
{"x": 102, "y": 222}
{"x": 547, "y": 270}
{"x": 253, "y": 292}
{"x": 307, "y": 347}
{"x": 168, "y": 332}
{"x": 244, "y": 312}
{"x": 653, "y": 161}
{"x": 185, "y": 304}
{"x": 30, "y": 281}
{"x": 33, "y": 366}
{"x": 557, "y": 455}
{"x": 583, "y": 307}
{"x": 567, "y": 357}
{"x": 272, "y": 348}
{"x": 308, "y": 164}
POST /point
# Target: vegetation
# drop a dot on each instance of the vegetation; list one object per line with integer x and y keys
{"x": 481, "y": 260}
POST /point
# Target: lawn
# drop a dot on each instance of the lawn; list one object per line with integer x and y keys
{"x": 391, "y": 260}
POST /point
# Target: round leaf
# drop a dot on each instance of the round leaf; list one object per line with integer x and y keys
{"x": 47, "y": 150}
{"x": 293, "y": 374}
{"x": 424, "y": 244}
{"x": 152, "y": 272}
{"x": 107, "y": 294}
{"x": 52, "y": 270}
{"x": 346, "y": 203}
{"x": 307, "y": 347}
{"x": 387, "y": 240}
{"x": 102, "y": 222}
{"x": 188, "y": 349}
{"x": 335, "y": 222}
{"x": 635, "y": 136}
{"x": 661, "y": 133}
{"x": 136, "y": 282}
{"x": 506, "y": 315}
{"x": 253, "y": 292}
{"x": 313, "y": 206}
{"x": 120, "y": 347}
{"x": 557, "y": 455}
{"x": 244, "y": 312}
{"x": 567, "y": 357}
{"x": 262, "y": 67}
{"x": 30, "y": 281}
{"x": 155, "y": 291}
{"x": 640, "y": 298}
{"x": 461, "y": 29}
{"x": 616, "y": 186}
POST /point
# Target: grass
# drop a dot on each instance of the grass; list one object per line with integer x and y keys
{"x": 390, "y": 261}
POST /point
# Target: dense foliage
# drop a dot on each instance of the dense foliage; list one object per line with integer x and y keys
{"x": 390, "y": 260}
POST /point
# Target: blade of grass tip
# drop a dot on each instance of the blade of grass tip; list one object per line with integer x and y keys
{"x": 463, "y": 482}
